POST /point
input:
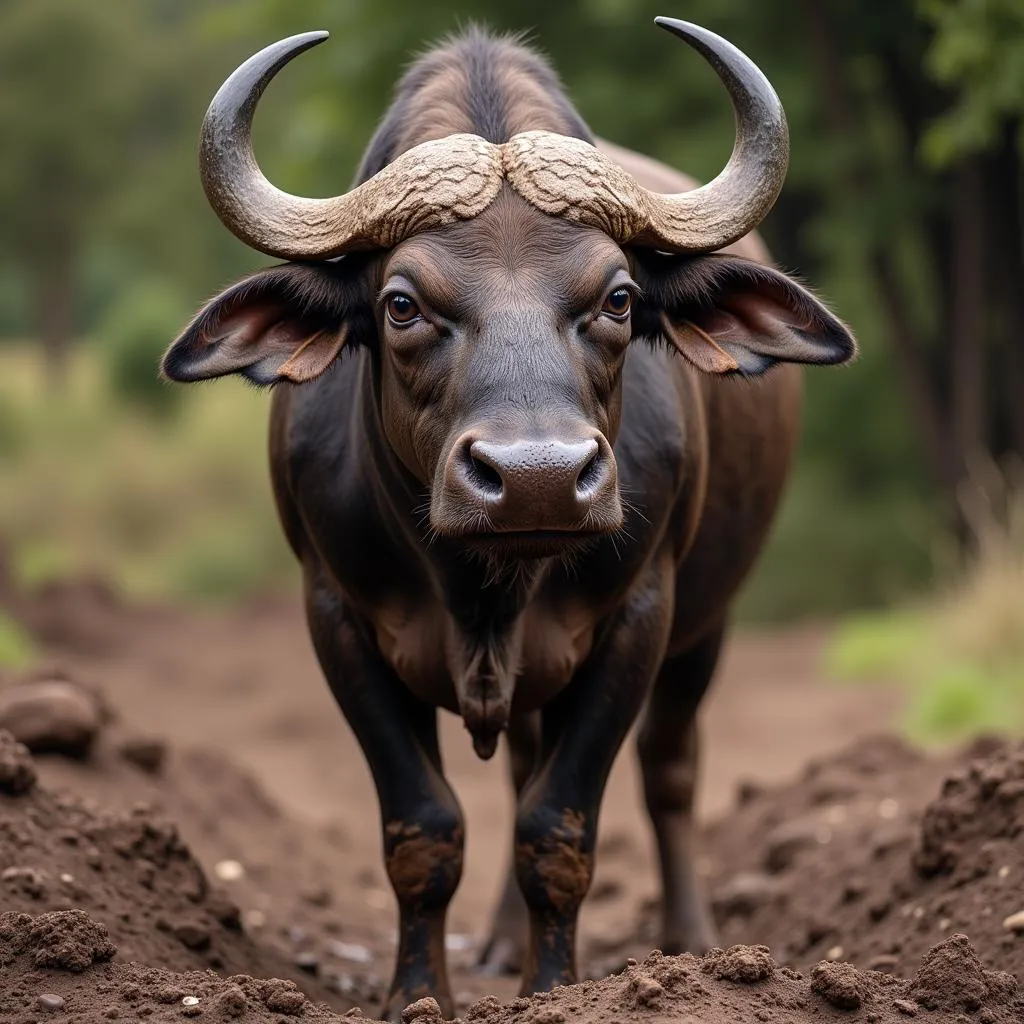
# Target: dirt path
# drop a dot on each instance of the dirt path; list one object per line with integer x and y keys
{"x": 246, "y": 682}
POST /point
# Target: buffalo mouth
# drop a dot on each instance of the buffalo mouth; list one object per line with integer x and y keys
{"x": 532, "y": 544}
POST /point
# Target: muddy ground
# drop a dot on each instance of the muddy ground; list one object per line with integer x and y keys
{"x": 222, "y": 819}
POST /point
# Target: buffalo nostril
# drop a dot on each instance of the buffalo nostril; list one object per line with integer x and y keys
{"x": 589, "y": 475}
{"x": 485, "y": 477}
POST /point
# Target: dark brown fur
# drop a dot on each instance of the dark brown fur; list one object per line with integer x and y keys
{"x": 521, "y": 507}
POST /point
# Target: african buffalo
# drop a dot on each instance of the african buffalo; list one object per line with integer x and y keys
{"x": 527, "y": 440}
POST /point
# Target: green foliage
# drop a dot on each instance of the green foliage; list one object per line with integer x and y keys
{"x": 977, "y": 52}
{"x": 132, "y": 339}
{"x": 16, "y": 649}
{"x": 873, "y": 646}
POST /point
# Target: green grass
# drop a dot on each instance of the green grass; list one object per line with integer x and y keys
{"x": 16, "y": 649}
{"x": 171, "y": 505}
{"x": 960, "y": 653}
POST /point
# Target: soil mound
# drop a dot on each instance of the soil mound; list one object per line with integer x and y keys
{"x": 56, "y": 964}
{"x": 858, "y": 860}
{"x": 62, "y": 858}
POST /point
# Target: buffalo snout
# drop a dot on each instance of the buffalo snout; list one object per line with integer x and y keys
{"x": 546, "y": 485}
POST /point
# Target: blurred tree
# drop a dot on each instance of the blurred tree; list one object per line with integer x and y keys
{"x": 903, "y": 202}
{"x": 70, "y": 76}
{"x": 97, "y": 180}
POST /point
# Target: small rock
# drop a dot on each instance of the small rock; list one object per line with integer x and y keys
{"x": 423, "y": 1009}
{"x": 883, "y": 962}
{"x": 146, "y": 753}
{"x": 191, "y": 934}
{"x": 842, "y": 985}
{"x": 350, "y": 951}
{"x": 1015, "y": 922}
{"x": 307, "y": 961}
{"x": 51, "y": 716}
{"x": 17, "y": 771}
{"x": 229, "y": 870}
{"x": 783, "y": 844}
{"x": 906, "y": 1006}
{"x": 835, "y": 953}
{"x": 50, "y": 1001}
{"x": 645, "y": 990}
{"x": 189, "y": 1000}
{"x": 744, "y": 894}
{"x": 317, "y": 896}
{"x": 224, "y": 911}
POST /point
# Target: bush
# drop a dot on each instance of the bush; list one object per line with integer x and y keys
{"x": 132, "y": 340}
{"x": 962, "y": 652}
{"x": 16, "y": 649}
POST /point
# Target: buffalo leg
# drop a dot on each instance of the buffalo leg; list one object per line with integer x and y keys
{"x": 421, "y": 819}
{"x": 503, "y": 953}
{"x": 668, "y": 749}
{"x": 582, "y": 731}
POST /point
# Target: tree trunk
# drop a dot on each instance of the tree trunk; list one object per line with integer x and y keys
{"x": 905, "y": 337}
{"x": 967, "y": 337}
{"x": 55, "y": 286}
{"x": 1006, "y": 267}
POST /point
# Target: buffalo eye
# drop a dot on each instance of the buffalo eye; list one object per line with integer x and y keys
{"x": 402, "y": 310}
{"x": 618, "y": 303}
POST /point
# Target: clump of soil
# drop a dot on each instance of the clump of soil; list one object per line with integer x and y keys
{"x": 62, "y": 858}
{"x": 57, "y": 964}
{"x": 858, "y": 860}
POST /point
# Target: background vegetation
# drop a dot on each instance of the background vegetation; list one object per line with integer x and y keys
{"x": 903, "y": 207}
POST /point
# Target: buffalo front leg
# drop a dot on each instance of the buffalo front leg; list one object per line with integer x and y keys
{"x": 422, "y": 822}
{"x": 582, "y": 731}
{"x": 668, "y": 749}
{"x": 503, "y": 953}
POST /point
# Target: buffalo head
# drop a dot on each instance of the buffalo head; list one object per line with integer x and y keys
{"x": 497, "y": 288}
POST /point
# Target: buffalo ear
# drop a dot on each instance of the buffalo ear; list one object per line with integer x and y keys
{"x": 730, "y": 315}
{"x": 285, "y": 324}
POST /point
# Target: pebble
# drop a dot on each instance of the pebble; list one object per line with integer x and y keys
{"x": 254, "y": 919}
{"x": 1004, "y": 871}
{"x": 889, "y": 809}
{"x": 51, "y": 715}
{"x": 907, "y": 1006}
{"x": 349, "y": 951}
{"x": 50, "y": 1001}
{"x": 307, "y": 961}
{"x": 883, "y": 962}
{"x": 783, "y": 844}
{"x": 1015, "y": 922}
{"x": 191, "y": 934}
{"x": 835, "y": 953}
{"x": 190, "y": 1001}
{"x": 229, "y": 870}
{"x": 745, "y": 893}
{"x": 147, "y": 754}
